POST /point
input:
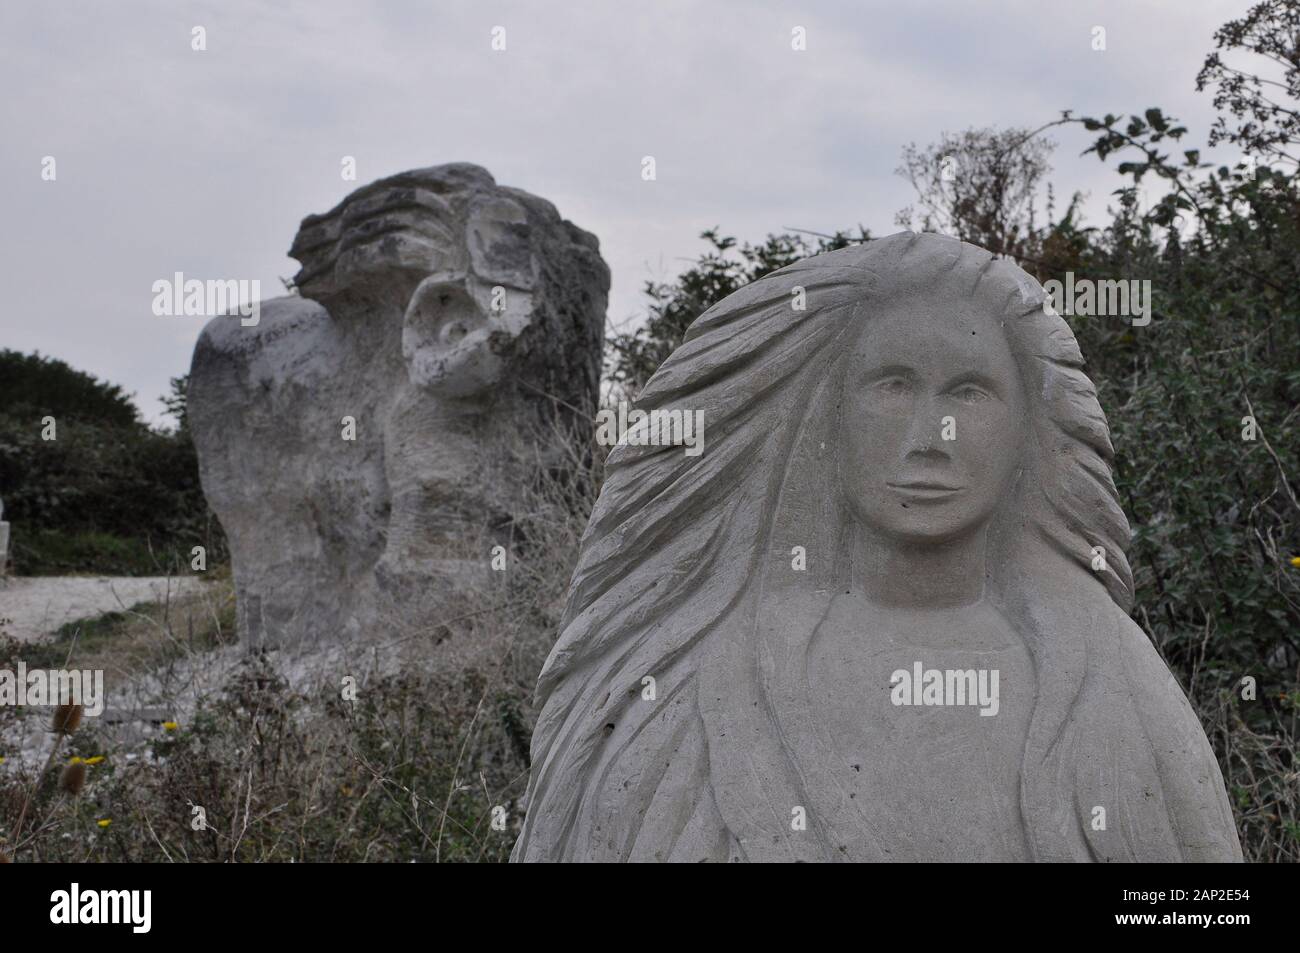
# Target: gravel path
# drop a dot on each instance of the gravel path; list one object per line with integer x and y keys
{"x": 32, "y": 607}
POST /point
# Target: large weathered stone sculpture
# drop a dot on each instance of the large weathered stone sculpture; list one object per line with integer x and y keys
{"x": 883, "y": 615}
{"x": 359, "y": 436}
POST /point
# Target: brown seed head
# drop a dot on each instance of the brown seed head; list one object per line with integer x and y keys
{"x": 66, "y": 719}
{"x": 74, "y": 778}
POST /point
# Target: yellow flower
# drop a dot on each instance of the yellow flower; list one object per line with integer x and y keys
{"x": 103, "y": 822}
{"x": 74, "y": 760}
{"x": 95, "y": 760}
{"x": 170, "y": 726}
{"x": 1295, "y": 561}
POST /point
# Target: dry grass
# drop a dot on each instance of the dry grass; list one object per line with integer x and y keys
{"x": 1259, "y": 769}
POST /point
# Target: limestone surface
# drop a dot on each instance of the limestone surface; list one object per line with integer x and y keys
{"x": 371, "y": 436}
{"x": 883, "y": 616}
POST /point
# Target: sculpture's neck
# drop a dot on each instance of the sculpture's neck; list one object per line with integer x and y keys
{"x": 903, "y": 574}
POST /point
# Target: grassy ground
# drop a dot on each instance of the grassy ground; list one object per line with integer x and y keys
{"x": 58, "y": 553}
{"x": 142, "y": 636}
{"x": 419, "y": 766}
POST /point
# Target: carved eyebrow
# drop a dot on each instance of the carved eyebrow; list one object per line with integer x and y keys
{"x": 874, "y": 374}
{"x": 974, "y": 377}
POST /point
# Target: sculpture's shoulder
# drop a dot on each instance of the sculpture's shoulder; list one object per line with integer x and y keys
{"x": 237, "y": 367}
{"x": 1190, "y": 778}
{"x": 288, "y": 324}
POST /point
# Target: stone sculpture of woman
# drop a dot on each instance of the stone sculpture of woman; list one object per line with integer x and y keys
{"x": 883, "y": 616}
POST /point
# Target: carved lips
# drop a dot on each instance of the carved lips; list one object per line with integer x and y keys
{"x": 925, "y": 490}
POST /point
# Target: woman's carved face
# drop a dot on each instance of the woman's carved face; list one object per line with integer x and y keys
{"x": 934, "y": 420}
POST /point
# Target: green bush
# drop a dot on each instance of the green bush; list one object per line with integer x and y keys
{"x": 107, "y": 494}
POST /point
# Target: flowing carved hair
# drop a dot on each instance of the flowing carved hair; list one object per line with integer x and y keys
{"x": 684, "y": 575}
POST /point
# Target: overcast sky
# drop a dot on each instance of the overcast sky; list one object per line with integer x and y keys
{"x": 172, "y": 160}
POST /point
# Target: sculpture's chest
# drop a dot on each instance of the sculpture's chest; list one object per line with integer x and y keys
{"x": 934, "y": 733}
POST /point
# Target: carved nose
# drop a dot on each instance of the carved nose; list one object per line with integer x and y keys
{"x": 923, "y": 439}
{"x": 932, "y": 451}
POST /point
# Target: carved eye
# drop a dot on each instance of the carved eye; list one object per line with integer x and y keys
{"x": 970, "y": 394}
{"x": 893, "y": 387}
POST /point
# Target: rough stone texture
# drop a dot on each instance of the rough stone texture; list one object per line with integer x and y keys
{"x": 911, "y": 476}
{"x": 458, "y": 323}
